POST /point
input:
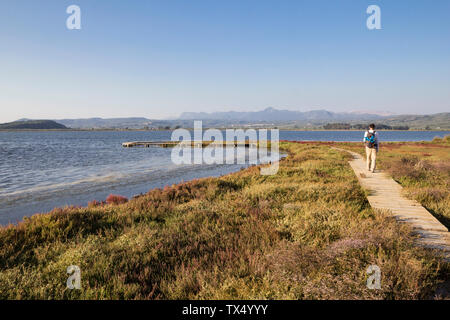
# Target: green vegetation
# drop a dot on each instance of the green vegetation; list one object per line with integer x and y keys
{"x": 32, "y": 124}
{"x": 438, "y": 121}
{"x": 423, "y": 169}
{"x": 304, "y": 233}
{"x": 359, "y": 126}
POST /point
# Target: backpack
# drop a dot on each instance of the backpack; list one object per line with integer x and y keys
{"x": 370, "y": 140}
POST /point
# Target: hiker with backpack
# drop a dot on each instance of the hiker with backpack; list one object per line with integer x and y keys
{"x": 371, "y": 143}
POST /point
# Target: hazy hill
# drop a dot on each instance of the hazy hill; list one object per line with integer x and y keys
{"x": 271, "y": 114}
{"x": 265, "y": 118}
{"x": 32, "y": 124}
{"x": 432, "y": 121}
{"x": 100, "y": 123}
{"x": 318, "y": 118}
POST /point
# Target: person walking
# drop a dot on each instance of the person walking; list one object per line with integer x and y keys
{"x": 371, "y": 143}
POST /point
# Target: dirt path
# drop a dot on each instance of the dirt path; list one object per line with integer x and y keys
{"x": 385, "y": 193}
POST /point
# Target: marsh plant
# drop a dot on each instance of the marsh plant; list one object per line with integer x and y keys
{"x": 307, "y": 232}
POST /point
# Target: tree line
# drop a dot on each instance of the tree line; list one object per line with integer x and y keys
{"x": 348, "y": 126}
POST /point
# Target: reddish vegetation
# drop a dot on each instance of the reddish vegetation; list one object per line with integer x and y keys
{"x": 116, "y": 199}
{"x": 307, "y": 232}
{"x": 327, "y": 143}
{"x": 418, "y": 145}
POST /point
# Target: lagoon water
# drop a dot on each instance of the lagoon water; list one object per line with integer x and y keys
{"x": 46, "y": 169}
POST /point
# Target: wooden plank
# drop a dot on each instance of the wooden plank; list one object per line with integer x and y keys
{"x": 202, "y": 144}
{"x": 386, "y": 194}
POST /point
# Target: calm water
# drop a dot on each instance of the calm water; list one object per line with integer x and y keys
{"x": 43, "y": 170}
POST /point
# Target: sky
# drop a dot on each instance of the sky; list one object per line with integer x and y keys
{"x": 157, "y": 59}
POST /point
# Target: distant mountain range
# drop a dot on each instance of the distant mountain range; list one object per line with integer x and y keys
{"x": 431, "y": 121}
{"x": 100, "y": 123}
{"x": 272, "y": 114}
{"x": 268, "y": 117}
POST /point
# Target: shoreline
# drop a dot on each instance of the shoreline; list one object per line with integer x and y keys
{"x": 129, "y": 190}
{"x": 206, "y": 128}
{"x": 153, "y": 183}
{"x": 267, "y": 238}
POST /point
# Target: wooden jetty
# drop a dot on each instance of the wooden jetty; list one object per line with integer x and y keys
{"x": 191, "y": 143}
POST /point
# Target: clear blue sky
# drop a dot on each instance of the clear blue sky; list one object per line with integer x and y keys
{"x": 159, "y": 58}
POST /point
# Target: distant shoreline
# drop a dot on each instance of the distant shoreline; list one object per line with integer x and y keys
{"x": 206, "y": 128}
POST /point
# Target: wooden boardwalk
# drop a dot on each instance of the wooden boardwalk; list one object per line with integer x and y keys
{"x": 386, "y": 194}
{"x": 199, "y": 144}
{"x": 147, "y": 144}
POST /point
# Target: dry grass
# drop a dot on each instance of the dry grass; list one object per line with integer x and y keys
{"x": 305, "y": 233}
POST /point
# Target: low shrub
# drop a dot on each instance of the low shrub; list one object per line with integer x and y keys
{"x": 116, "y": 199}
{"x": 305, "y": 233}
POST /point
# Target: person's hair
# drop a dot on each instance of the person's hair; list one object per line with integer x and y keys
{"x": 372, "y": 126}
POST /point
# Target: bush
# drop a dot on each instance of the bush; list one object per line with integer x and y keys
{"x": 94, "y": 204}
{"x": 306, "y": 233}
{"x": 116, "y": 199}
{"x": 447, "y": 138}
